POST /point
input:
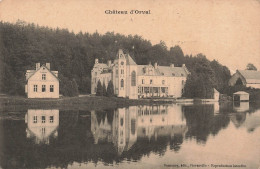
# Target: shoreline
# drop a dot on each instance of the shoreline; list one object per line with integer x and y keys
{"x": 86, "y": 102}
{"x": 81, "y": 103}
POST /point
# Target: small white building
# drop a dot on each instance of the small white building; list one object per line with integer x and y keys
{"x": 42, "y": 82}
{"x": 241, "y": 96}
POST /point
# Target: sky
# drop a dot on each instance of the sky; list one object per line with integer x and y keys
{"x": 225, "y": 30}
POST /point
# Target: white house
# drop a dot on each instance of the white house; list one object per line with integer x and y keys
{"x": 139, "y": 81}
{"x": 42, "y": 124}
{"x": 42, "y": 82}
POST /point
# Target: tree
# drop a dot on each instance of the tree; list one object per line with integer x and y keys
{"x": 104, "y": 89}
{"x": 99, "y": 89}
{"x": 177, "y": 55}
{"x": 75, "y": 87}
{"x": 250, "y": 66}
{"x": 110, "y": 89}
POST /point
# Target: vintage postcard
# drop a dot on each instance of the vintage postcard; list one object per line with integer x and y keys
{"x": 142, "y": 84}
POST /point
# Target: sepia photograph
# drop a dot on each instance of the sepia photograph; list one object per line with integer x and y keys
{"x": 141, "y": 84}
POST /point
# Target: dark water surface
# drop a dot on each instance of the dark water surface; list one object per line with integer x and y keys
{"x": 158, "y": 136}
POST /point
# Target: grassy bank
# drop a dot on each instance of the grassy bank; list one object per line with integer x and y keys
{"x": 81, "y": 103}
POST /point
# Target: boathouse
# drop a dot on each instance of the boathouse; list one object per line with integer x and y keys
{"x": 240, "y": 96}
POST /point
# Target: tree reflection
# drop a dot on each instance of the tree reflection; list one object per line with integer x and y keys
{"x": 202, "y": 122}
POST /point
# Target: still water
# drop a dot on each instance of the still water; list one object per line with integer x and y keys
{"x": 148, "y": 136}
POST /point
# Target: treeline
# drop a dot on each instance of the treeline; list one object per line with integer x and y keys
{"x": 22, "y": 45}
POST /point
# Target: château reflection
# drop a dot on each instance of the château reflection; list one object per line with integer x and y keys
{"x": 42, "y": 124}
{"x": 114, "y": 136}
{"x": 138, "y": 123}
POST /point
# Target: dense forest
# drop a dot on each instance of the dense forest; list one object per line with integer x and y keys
{"x": 22, "y": 45}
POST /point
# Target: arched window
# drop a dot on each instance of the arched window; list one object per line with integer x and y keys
{"x": 133, "y": 78}
{"x": 122, "y": 83}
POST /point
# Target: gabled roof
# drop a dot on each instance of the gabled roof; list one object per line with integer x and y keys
{"x": 164, "y": 71}
{"x": 45, "y": 68}
{"x": 172, "y": 71}
{"x": 251, "y": 76}
{"x": 129, "y": 60}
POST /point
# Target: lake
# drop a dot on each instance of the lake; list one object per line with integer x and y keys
{"x": 144, "y": 136}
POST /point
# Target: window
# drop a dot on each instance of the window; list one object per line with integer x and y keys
{"x": 121, "y": 121}
{"x": 173, "y": 74}
{"x": 43, "y": 88}
{"x": 51, "y": 88}
{"x": 43, "y": 76}
{"x": 163, "y": 89}
{"x": 34, "y": 119}
{"x": 122, "y": 71}
{"x": 133, "y": 126}
{"x": 163, "y": 81}
{"x": 133, "y": 79}
{"x": 122, "y": 63}
{"x": 35, "y": 88}
{"x": 43, "y": 130}
{"x": 122, "y": 83}
{"x": 151, "y": 81}
{"x": 95, "y": 73}
{"x": 116, "y": 71}
{"x": 43, "y": 119}
{"x": 142, "y": 81}
{"x": 51, "y": 119}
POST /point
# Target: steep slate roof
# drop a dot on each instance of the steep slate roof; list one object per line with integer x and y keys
{"x": 250, "y": 76}
{"x": 34, "y": 71}
{"x": 129, "y": 60}
{"x": 164, "y": 71}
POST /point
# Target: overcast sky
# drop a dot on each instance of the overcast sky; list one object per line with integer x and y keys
{"x": 225, "y": 30}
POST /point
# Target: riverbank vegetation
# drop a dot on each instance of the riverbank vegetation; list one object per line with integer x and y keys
{"x": 78, "y": 103}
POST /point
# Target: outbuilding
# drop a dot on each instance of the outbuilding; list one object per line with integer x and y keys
{"x": 241, "y": 96}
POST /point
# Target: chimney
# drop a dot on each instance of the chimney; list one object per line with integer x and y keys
{"x": 96, "y": 61}
{"x": 38, "y": 65}
{"x": 48, "y": 65}
{"x": 155, "y": 65}
{"x": 109, "y": 63}
{"x": 172, "y": 65}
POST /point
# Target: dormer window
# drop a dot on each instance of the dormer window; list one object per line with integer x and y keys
{"x": 163, "y": 81}
{"x": 181, "y": 74}
{"x": 173, "y": 74}
{"x": 43, "y": 76}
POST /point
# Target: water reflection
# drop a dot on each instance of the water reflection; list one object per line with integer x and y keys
{"x": 42, "y": 124}
{"x": 139, "y": 123}
{"x": 55, "y": 138}
{"x": 241, "y": 106}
